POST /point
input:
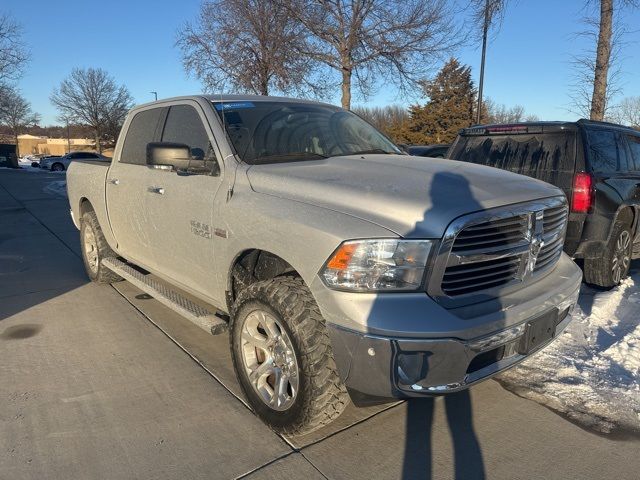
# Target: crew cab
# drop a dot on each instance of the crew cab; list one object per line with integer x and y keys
{"x": 341, "y": 267}
{"x": 597, "y": 166}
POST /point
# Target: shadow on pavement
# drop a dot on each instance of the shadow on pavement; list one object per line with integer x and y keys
{"x": 39, "y": 245}
{"x": 468, "y": 461}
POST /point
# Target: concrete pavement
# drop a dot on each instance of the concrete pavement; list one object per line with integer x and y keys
{"x": 104, "y": 382}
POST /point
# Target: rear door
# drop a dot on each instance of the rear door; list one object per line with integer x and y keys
{"x": 607, "y": 158}
{"x": 633, "y": 149}
{"x": 127, "y": 182}
{"x": 180, "y": 205}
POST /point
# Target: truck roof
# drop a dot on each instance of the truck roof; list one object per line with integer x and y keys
{"x": 233, "y": 98}
{"x": 538, "y": 127}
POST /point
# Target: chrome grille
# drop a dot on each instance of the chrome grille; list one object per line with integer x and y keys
{"x": 554, "y": 225}
{"x": 497, "y": 234}
{"x": 487, "y": 253}
{"x": 461, "y": 279}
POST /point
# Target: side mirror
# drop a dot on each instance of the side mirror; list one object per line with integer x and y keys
{"x": 168, "y": 154}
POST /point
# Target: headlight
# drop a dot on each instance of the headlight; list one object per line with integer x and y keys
{"x": 377, "y": 265}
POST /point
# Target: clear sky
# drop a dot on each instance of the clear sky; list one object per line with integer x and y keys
{"x": 527, "y": 62}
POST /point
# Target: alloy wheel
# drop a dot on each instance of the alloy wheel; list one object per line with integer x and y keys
{"x": 90, "y": 246}
{"x": 269, "y": 360}
{"x": 621, "y": 257}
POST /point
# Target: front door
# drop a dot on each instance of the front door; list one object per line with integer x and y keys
{"x": 180, "y": 205}
{"x": 126, "y": 187}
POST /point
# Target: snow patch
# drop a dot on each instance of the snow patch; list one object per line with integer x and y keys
{"x": 58, "y": 187}
{"x": 591, "y": 373}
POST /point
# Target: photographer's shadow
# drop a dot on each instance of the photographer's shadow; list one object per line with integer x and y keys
{"x": 445, "y": 189}
{"x": 417, "y": 463}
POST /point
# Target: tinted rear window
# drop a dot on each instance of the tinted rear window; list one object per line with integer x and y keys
{"x": 528, "y": 154}
{"x": 634, "y": 146}
{"x": 603, "y": 151}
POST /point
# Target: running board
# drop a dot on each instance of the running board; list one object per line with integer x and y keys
{"x": 196, "y": 314}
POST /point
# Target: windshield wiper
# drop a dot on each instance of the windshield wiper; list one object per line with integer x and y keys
{"x": 289, "y": 157}
{"x": 373, "y": 150}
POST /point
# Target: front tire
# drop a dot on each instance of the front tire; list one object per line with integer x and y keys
{"x": 283, "y": 358}
{"x": 613, "y": 267}
{"x": 94, "y": 248}
{"x": 57, "y": 167}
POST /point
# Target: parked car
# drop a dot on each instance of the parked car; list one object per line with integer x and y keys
{"x": 340, "y": 266}
{"x": 433, "y": 151}
{"x": 59, "y": 164}
{"x": 48, "y": 160}
{"x": 597, "y": 166}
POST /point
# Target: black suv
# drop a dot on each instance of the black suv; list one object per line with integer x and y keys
{"x": 433, "y": 151}
{"x": 596, "y": 164}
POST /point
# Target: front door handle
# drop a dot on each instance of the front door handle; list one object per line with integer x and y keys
{"x": 158, "y": 190}
{"x": 114, "y": 181}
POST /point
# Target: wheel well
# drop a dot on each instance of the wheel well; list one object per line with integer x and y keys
{"x": 626, "y": 215}
{"x": 254, "y": 266}
{"x": 85, "y": 206}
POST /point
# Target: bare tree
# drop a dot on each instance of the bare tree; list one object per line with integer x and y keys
{"x": 369, "y": 41}
{"x": 13, "y": 53}
{"x": 387, "y": 119}
{"x": 245, "y": 46}
{"x": 500, "y": 113}
{"x": 487, "y": 14}
{"x": 92, "y": 97}
{"x": 494, "y": 112}
{"x": 597, "y": 71}
{"x": 603, "y": 57}
{"x": 627, "y": 112}
{"x": 15, "y": 112}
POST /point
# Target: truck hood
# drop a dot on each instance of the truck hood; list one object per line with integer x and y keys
{"x": 414, "y": 197}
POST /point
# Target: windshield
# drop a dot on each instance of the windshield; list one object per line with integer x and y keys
{"x": 271, "y": 132}
{"x": 529, "y": 154}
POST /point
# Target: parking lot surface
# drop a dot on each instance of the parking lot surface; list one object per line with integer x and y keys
{"x": 105, "y": 382}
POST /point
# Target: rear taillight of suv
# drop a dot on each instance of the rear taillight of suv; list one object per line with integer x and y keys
{"x": 582, "y": 198}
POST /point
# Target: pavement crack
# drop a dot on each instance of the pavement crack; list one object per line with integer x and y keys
{"x": 260, "y": 467}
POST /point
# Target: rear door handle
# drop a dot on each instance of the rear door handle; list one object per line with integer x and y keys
{"x": 158, "y": 190}
{"x": 114, "y": 181}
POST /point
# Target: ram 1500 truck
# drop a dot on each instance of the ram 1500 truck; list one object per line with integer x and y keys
{"x": 341, "y": 267}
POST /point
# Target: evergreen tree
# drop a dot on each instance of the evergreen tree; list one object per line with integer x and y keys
{"x": 450, "y": 107}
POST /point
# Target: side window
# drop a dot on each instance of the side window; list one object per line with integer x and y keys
{"x": 624, "y": 164}
{"x": 634, "y": 148}
{"x": 142, "y": 130}
{"x": 185, "y": 126}
{"x": 603, "y": 151}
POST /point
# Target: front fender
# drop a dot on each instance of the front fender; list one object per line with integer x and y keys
{"x": 302, "y": 235}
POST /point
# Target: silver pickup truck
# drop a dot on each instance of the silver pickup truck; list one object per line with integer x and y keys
{"x": 341, "y": 267}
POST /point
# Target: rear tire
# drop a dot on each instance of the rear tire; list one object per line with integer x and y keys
{"x": 299, "y": 350}
{"x": 94, "y": 248}
{"x": 613, "y": 267}
{"x": 57, "y": 167}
